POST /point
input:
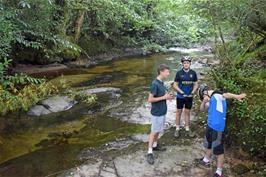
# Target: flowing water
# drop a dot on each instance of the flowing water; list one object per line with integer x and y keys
{"x": 39, "y": 146}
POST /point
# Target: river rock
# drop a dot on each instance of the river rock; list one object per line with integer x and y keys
{"x": 203, "y": 60}
{"x": 52, "y": 104}
{"x": 58, "y": 103}
{"x": 38, "y": 110}
{"x": 207, "y": 49}
{"x": 103, "y": 90}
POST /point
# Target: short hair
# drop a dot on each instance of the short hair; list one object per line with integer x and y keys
{"x": 162, "y": 67}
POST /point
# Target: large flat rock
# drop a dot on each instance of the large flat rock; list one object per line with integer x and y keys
{"x": 176, "y": 161}
{"x": 38, "y": 110}
{"x": 58, "y": 103}
{"x": 51, "y": 105}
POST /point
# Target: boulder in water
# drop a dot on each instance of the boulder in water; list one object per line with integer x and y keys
{"x": 58, "y": 103}
{"x": 52, "y": 104}
{"x": 38, "y": 110}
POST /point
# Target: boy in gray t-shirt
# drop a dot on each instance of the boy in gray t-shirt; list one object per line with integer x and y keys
{"x": 157, "y": 98}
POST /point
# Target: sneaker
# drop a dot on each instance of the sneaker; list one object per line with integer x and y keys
{"x": 159, "y": 148}
{"x": 190, "y": 134}
{"x": 150, "y": 158}
{"x": 202, "y": 163}
{"x": 217, "y": 175}
{"x": 177, "y": 133}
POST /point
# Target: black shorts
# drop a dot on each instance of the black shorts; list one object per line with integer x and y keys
{"x": 214, "y": 140}
{"x": 184, "y": 102}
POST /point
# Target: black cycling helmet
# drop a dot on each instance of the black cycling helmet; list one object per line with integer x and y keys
{"x": 186, "y": 58}
{"x": 202, "y": 88}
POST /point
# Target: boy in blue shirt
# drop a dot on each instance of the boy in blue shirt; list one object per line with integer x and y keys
{"x": 215, "y": 102}
{"x": 157, "y": 98}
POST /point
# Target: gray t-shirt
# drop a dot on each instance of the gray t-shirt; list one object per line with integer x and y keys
{"x": 157, "y": 90}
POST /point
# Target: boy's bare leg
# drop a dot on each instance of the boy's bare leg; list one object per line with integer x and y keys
{"x": 156, "y": 137}
{"x": 220, "y": 161}
{"x": 152, "y": 137}
{"x": 220, "y": 164}
{"x": 208, "y": 154}
{"x": 187, "y": 118}
{"x": 178, "y": 117}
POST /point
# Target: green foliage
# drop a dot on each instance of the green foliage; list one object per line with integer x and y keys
{"x": 152, "y": 47}
{"x": 11, "y": 81}
{"x": 86, "y": 98}
{"x": 19, "y": 92}
{"x": 242, "y": 69}
{"x": 17, "y": 100}
{"x": 43, "y": 30}
{"x": 246, "y": 124}
{"x": 7, "y": 31}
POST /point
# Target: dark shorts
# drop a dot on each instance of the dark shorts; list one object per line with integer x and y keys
{"x": 184, "y": 102}
{"x": 214, "y": 140}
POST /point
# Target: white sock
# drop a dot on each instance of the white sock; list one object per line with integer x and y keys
{"x": 150, "y": 151}
{"x": 177, "y": 127}
{"x": 154, "y": 144}
{"x": 187, "y": 128}
{"x": 219, "y": 171}
{"x": 206, "y": 160}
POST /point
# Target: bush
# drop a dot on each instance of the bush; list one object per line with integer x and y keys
{"x": 246, "y": 123}
{"x": 20, "y": 92}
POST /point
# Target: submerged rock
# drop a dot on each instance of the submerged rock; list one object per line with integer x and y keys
{"x": 102, "y": 90}
{"x": 52, "y": 104}
{"x": 38, "y": 110}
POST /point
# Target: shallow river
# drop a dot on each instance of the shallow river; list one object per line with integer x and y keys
{"x": 36, "y": 146}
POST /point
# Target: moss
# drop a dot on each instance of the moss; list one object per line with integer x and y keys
{"x": 27, "y": 140}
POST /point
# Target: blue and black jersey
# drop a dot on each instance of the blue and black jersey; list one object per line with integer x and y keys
{"x": 185, "y": 80}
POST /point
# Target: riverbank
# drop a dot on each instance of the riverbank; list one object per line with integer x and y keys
{"x": 56, "y": 69}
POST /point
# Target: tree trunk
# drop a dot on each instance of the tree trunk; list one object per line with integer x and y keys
{"x": 78, "y": 24}
{"x": 63, "y": 15}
